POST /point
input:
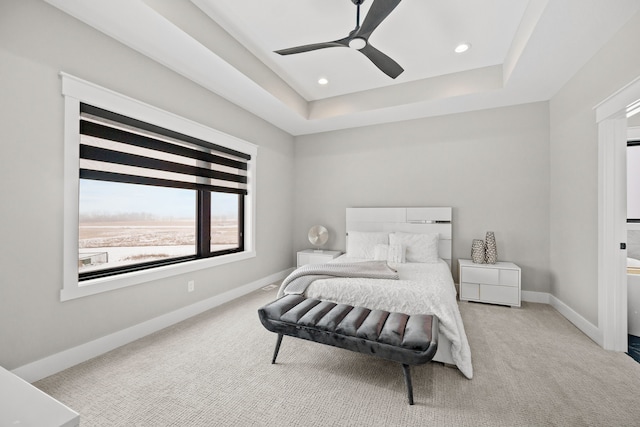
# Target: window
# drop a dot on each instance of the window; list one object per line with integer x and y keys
{"x": 149, "y": 196}
{"x": 154, "y": 195}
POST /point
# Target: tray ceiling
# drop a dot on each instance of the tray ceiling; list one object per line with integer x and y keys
{"x": 521, "y": 51}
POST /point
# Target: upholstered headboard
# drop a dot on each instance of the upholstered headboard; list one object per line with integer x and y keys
{"x": 409, "y": 220}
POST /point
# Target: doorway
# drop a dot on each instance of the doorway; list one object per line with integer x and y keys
{"x": 633, "y": 236}
{"x": 611, "y": 116}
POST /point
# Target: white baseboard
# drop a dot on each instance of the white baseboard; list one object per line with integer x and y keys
{"x": 539, "y": 297}
{"x": 588, "y": 328}
{"x": 65, "y": 359}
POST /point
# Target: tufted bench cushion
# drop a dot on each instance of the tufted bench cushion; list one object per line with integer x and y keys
{"x": 402, "y": 338}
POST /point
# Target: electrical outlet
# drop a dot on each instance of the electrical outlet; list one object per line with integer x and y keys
{"x": 191, "y": 285}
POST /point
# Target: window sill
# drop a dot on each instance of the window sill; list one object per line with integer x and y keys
{"x": 105, "y": 284}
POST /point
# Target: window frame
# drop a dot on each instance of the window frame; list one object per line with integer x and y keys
{"x": 75, "y": 91}
{"x": 631, "y": 143}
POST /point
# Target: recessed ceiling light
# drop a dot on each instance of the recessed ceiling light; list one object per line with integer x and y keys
{"x": 462, "y": 47}
{"x": 323, "y": 81}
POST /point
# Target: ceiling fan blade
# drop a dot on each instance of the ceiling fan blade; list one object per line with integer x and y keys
{"x": 314, "y": 46}
{"x": 378, "y": 12}
{"x": 387, "y": 65}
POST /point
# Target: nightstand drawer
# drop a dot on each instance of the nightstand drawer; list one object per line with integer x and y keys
{"x": 469, "y": 291}
{"x": 311, "y": 256}
{"x": 489, "y": 276}
{"x": 315, "y": 259}
{"x": 509, "y": 278}
{"x": 500, "y": 294}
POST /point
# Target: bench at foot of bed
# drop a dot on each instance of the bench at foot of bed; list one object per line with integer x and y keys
{"x": 406, "y": 339}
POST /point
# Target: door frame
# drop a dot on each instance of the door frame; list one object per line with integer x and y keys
{"x": 611, "y": 117}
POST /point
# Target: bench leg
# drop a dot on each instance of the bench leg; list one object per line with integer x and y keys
{"x": 275, "y": 353}
{"x": 407, "y": 380}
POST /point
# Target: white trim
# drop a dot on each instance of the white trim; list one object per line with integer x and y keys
{"x": 71, "y": 191}
{"x": 110, "y": 283}
{"x": 588, "y": 328}
{"x": 619, "y": 102}
{"x": 537, "y": 297}
{"x": 612, "y": 230}
{"x": 611, "y": 116}
{"x": 76, "y": 90}
{"x": 65, "y": 359}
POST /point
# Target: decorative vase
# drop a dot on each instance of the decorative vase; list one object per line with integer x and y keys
{"x": 478, "y": 251}
{"x": 491, "y": 250}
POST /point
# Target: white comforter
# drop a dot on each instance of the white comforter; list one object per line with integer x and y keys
{"x": 422, "y": 288}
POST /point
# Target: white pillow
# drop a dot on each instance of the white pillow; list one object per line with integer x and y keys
{"x": 361, "y": 244}
{"x": 396, "y": 254}
{"x": 419, "y": 247}
{"x": 393, "y": 254}
{"x": 380, "y": 252}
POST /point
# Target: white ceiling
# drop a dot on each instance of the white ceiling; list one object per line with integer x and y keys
{"x": 522, "y": 51}
{"x": 420, "y": 35}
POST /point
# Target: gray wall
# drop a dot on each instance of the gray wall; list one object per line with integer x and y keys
{"x": 574, "y": 169}
{"x": 491, "y": 166}
{"x": 38, "y": 41}
{"x": 528, "y": 173}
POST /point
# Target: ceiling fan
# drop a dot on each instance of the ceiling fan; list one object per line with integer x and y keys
{"x": 359, "y": 38}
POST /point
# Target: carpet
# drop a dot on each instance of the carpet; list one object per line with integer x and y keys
{"x": 531, "y": 368}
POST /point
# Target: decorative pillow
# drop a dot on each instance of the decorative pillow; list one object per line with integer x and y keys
{"x": 396, "y": 254}
{"x": 380, "y": 252}
{"x": 361, "y": 244}
{"x": 419, "y": 247}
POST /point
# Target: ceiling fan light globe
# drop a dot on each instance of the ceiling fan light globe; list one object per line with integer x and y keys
{"x": 357, "y": 43}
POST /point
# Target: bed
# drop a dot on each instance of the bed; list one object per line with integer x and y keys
{"x": 397, "y": 260}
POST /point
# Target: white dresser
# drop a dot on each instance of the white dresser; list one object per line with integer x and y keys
{"x": 497, "y": 283}
{"x": 312, "y": 256}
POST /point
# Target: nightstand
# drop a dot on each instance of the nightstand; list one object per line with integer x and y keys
{"x": 497, "y": 283}
{"x": 312, "y": 256}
